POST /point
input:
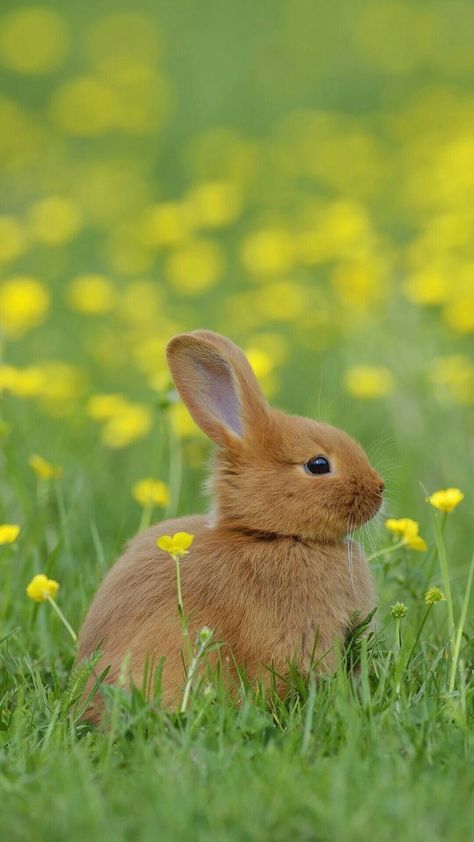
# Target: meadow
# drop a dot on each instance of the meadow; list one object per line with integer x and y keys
{"x": 298, "y": 176}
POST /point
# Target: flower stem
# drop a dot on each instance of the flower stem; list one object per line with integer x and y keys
{"x": 145, "y": 519}
{"x": 398, "y": 637}
{"x": 182, "y": 616}
{"x": 412, "y": 652}
{"x": 443, "y": 563}
{"x": 191, "y": 673}
{"x": 62, "y": 618}
{"x": 387, "y": 550}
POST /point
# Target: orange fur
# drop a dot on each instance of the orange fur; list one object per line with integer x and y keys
{"x": 270, "y": 571}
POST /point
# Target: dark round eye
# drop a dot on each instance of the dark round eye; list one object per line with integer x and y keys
{"x": 318, "y": 465}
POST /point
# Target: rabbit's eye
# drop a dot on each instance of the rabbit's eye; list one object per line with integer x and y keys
{"x": 318, "y": 465}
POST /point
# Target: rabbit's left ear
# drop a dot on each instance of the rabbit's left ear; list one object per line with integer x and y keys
{"x": 217, "y": 384}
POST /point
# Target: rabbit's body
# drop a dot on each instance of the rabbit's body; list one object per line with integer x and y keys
{"x": 272, "y": 572}
{"x": 274, "y": 601}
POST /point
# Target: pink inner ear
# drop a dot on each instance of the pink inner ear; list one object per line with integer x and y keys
{"x": 221, "y": 392}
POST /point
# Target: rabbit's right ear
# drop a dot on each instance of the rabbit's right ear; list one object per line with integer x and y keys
{"x": 217, "y": 384}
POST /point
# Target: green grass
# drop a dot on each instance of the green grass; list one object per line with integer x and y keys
{"x": 387, "y": 752}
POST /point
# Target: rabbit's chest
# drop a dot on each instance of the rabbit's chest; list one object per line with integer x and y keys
{"x": 308, "y": 605}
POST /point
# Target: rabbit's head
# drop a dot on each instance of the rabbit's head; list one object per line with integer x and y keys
{"x": 275, "y": 474}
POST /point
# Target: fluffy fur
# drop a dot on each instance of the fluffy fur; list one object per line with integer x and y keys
{"x": 274, "y": 572}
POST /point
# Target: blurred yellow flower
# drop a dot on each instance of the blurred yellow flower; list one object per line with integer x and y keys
{"x": 86, "y": 105}
{"x": 110, "y": 189}
{"x": 214, "y": 204}
{"x": 151, "y": 492}
{"x": 126, "y": 251}
{"x": 41, "y": 588}
{"x": 43, "y": 469}
{"x": 8, "y": 533}
{"x": 446, "y": 500}
{"x": 408, "y": 531}
{"x": 416, "y": 542}
{"x": 195, "y": 267}
{"x": 429, "y": 286}
{"x": 453, "y": 378}
{"x": 133, "y": 422}
{"x": 434, "y": 595}
{"x": 402, "y": 526}
{"x": 221, "y": 153}
{"x": 459, "y": 314}
{"x": 24, "y": 302}
{"x": 21, "y": 382}
{"x": 183, "y": 425}
{"x": 61, "y": 387}
{"x": 33, "y": 40}
{"x": 54, "y": 220}
{"x": 341, "y": 231}
{"x": 367, "y": 382}
{"x": 166, "y": 224}
{"x": 100, "y": 407}
{"x": 142, "y": 301}
{"x": 176, "y": 545}
{"x": 282, "y": 301}
{"x": 268, "y": 251}
{"x": 13, "y": 238}
{"x": 91, "y": 294}
{"x": 360, "y": 284}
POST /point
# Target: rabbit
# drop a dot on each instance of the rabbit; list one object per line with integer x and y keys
{"x": 272, "y": 570}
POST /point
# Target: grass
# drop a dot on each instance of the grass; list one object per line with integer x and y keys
{"x": 387, "y": 751}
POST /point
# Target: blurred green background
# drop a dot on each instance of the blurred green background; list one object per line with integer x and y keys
{"x": 297, "y": 175}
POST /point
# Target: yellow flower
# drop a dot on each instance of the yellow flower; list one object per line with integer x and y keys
{"x": 54, "y": 220}
{"x": 434, "y": 595}
{"x": 61, "y": 387}
{"x": 13, "y": 240}
{"x": 195, "y": 267}
{"x": 8, "y": 533}
{"x": 21, "y": 382}
{"x": 268, "y": 251}
{"x": 368, "y": 381}
{"x": 176, "y": 545}
{"x": 92, "y": 294}
{"x": 131, "y": 423}
{"x": 33, "y": 40}
{"x": 446, "y": 500}
{"x": 402, "y": 526}
{"x": 407, "y": 529}
{"x": 429, "y": 286}
{"x": 85, "y": 105}
{"x": 101, "y": 407}
{"x": 183, "y": 424}
{"x": 459, "y": 314}
{"x": 151, "y": 491}
{"x": 416, "y": 542}
{"x": 166, "y": 224}
{"x": 453, "y": 378}
{"x": 40, "y": 588}
{"x": 44, "y": 469}
{"x": 215, "y": 203}
{"x": 24, "y": 302}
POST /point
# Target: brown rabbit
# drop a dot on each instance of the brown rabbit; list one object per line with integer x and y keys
{"x": 272, "y": 571}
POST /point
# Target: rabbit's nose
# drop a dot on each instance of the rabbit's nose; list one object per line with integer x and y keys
{"x": 382, "y": 486}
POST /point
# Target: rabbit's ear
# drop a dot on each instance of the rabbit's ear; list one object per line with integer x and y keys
{"x": 217, "y": 384}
